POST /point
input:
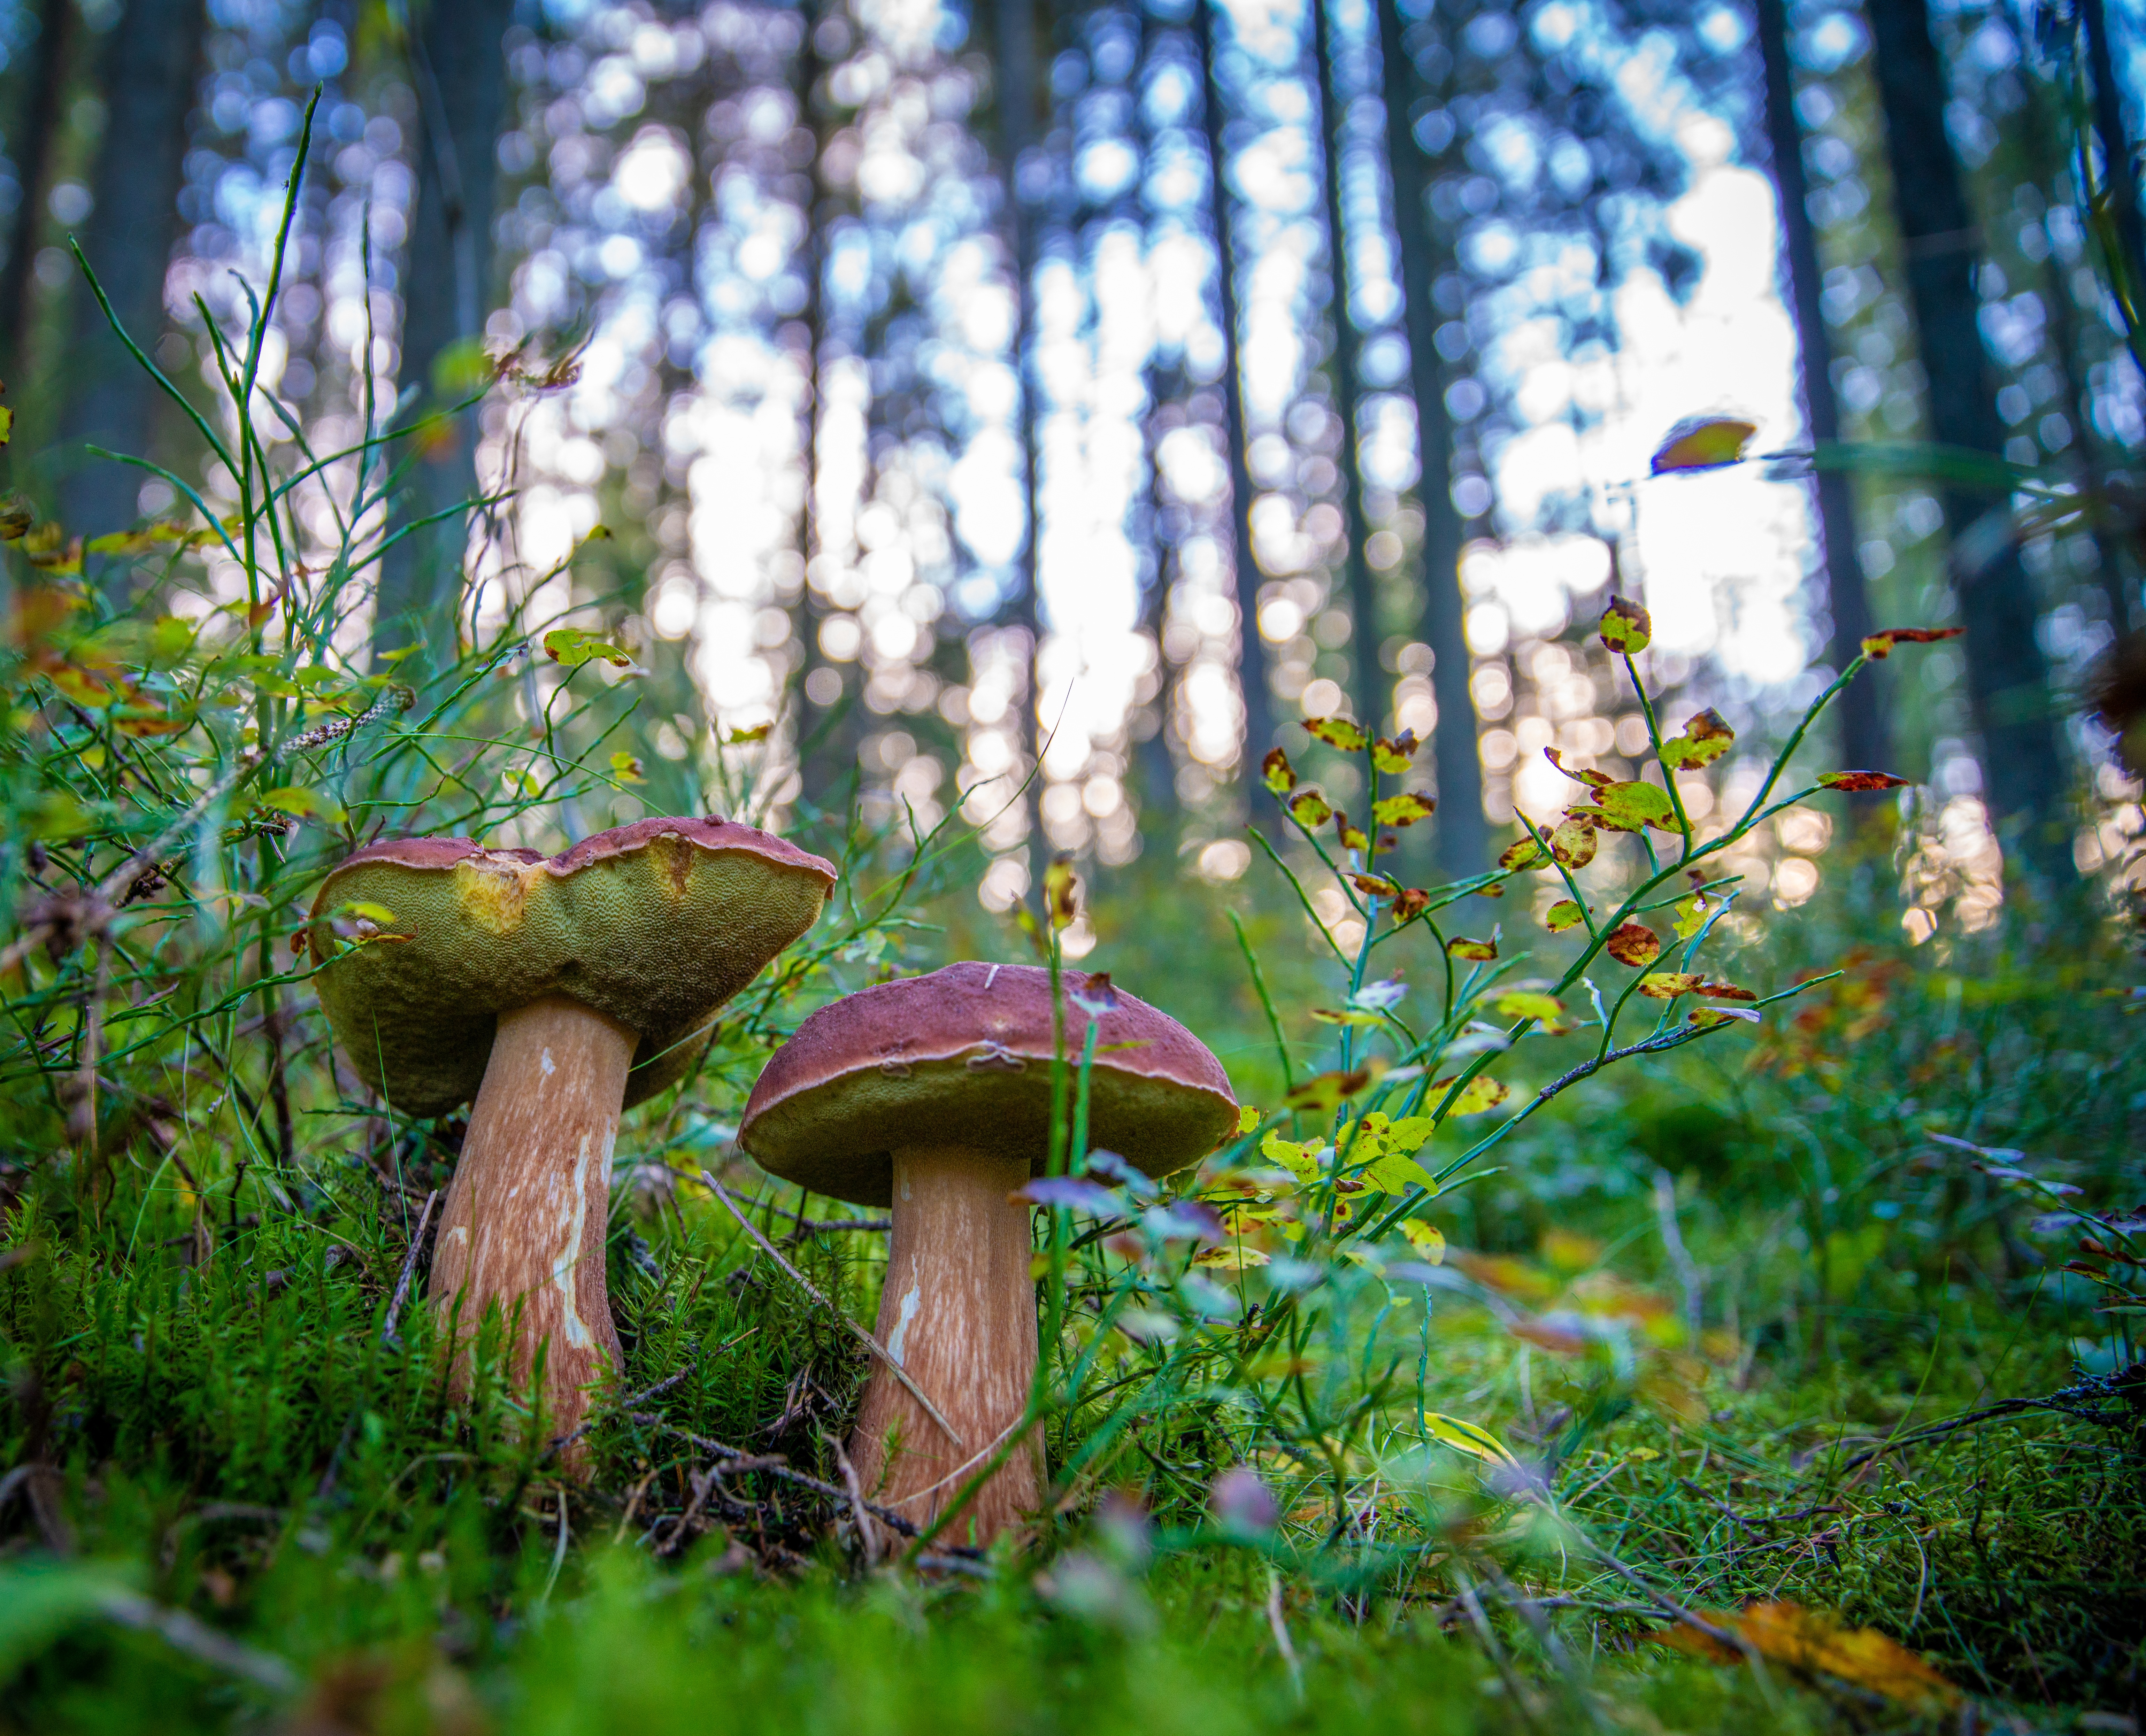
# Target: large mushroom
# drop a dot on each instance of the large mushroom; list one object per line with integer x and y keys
{"x": 933, "y": 1095}
{"x": 555, "y": 992}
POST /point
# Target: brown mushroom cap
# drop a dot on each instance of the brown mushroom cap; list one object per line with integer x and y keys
{"x": 656, "y": 924}
{"x": 962, "y": 1057}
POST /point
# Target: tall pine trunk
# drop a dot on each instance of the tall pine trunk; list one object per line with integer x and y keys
{"x": 38, "y": 115}
{"x": 1252, "y": 673}
{"x": 459, "y": 66}
{"x": 151, "y": 66}
{"x": 2025, "y": 778}
{"x": 1862, "y": 742}
{"x": 1362, "y": 589}
{"x": 1462, "y": 837}
{"x": 2120, "y": 173}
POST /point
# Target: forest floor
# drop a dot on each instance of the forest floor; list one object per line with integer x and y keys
{"x": 1898, "y": 1464}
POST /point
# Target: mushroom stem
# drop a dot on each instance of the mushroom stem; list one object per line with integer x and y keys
{"x": 526, "y": 1211}
{"x": 959, "y": 1314}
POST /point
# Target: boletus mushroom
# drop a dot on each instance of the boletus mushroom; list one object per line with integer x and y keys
{"x": 933, "y": 1095}
{"x": 551, "y": 994}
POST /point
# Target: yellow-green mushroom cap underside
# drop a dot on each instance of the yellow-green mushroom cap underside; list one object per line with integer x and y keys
{"x": 426, "y": 941}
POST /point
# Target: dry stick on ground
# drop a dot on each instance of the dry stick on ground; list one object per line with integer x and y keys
{"x": 561, "y": 1442}
{"x": 409, "y": 1269}
{"x": 873, "y": 1344}
{"x": 769, "y": 1464}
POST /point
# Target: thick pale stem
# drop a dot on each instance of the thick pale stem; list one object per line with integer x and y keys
{"x": 526, "y": 1212}
{"x": 959, "y": 1314}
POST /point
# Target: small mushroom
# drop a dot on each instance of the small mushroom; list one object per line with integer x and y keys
{"x": 555, "y": 992}
{"x": 932, "y": 1095}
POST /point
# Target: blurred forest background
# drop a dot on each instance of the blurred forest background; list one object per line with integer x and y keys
{"x": 1118, "y": 383}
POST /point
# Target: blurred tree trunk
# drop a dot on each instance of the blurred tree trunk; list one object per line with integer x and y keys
{"x": 1371, "y": 701}
{"x": 1252, "y": 674}
{"x": 2025, "y": 778}
{"x": 459, "y": 66}
{"x": 39, "y": 111}
{"x": 151, "y": 65}
{"x": 1862, "y": 742}
{"x": 1463, "y": 836}
{"x": 2121, "y": 171}
{"x": 1014, "y": 25}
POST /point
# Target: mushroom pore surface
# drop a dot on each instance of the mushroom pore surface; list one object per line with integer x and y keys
{"x": 961, "y": 1058}
{"x": 654, "y": 924}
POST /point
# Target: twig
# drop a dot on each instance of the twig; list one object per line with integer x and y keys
{"x": 774, "y": 1465}
{"x": 558, "y": 1552}
{"x": 664, "y": 1385}
{"x": 409, "y": 1270}
{"x": 857, "y": 1499}
{"x": 183, "y": 1633}
{"x": 805, "y": 1283}
{"x": 1687, "y": 1269}
{"x": 1279, "y": 1627}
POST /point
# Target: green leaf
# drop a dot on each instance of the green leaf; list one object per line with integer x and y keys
{"x": 1280, "y": 776}
{"x": 1339, "y": 732}
{"x": 1347, "y": 1016}
{"x": 301, "y": 804}
{"x": 1480, "y": 1093}
{"x": 1529, "y": 1004}
{"x": 1563, "y": 915}
{"x": 1706, "y": 737}
{"x": 1290, "y": 1154}
{"x": 1481, "y": 951}
{"x": 1394, "y": 1173}
{"x": 1626, "y": 625}
{"x": 1528, "y": 853}
{"x": 1427, "y": 1243}
{"x": 1703, "y": 442}
{"x": 1691, "y": 914}
{"x": 1575, "y": 842}
{"x": 462, "y": 368}
{"x": 6, "y": 430}
{"x": 1058, "y": 891}
{"x": 1595, "y": 779}
{"x": 1308, "y": 809}
{"x": 626, "y": 769}
{"x": 1668, "y": 984}
{"x": 573, "y": 647}
{"x": 16, "y": 516}
{"x": 1403, "y": 810}
{"x": 1470, "y": 1438}
{"x": 1627, "y": 807}
{"x": 1391, "y": 754}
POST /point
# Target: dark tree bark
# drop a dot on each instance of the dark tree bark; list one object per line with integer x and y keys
{"x": 1252, "y": 673}
{"x": 150, "y": 69}
{"x": 1463, "y": 836}
{"x": 1363, "y": 594}
{"x": 2118, "y": 166}
{"x": 43, "y": 81}
{"x": 2024, "y": 778}
{"x": 459, "y": 66}
{"x": 1862, "y": 742}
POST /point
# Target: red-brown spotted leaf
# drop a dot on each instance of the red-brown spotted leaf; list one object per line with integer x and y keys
{"x": 1703, "y": 442}
{"x": 1480, "y": 1093}
{"x": 1058, "y": 881}
{"x": 1403, "y": 810}
{"x": 1599, "y": 780}
{"x": 1391, "y": 754}
{"x": 1726, "y": 991}
{"x": 1707, "y": 1017}
{"x": 1351, "y": 836}
{"x": 1326, "y": 1092}
{"x": 1626, "y": 625}
{"x": 1668, "y": 984}
{"x": 1707, "y": 736}
{"x": 1634, "y": 944}
{"x": 1280, "y": 774}
{"x": 1563, "y": 915}
{"x": 1575, "y": 842}
{"x": 1861, "y": 781}
{"x": 1481, "y": 951}
{"x": 1494, "y": 890}
{"x": 1528, "y": 853}
{"x": 1372, "y": 885}
{"x": 1879, "y": 645}
{"x": 1308, "y": 808}
{"x": 1410, "y": 903}
{"x": 1337, "y": 732}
